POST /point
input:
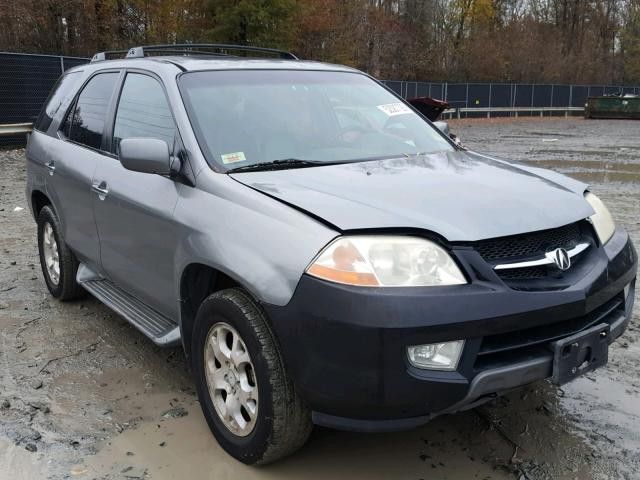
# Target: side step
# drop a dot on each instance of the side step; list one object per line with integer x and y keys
{"x": 161, "y": 330}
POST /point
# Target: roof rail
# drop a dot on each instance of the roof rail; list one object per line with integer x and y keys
{"x": 204, "y": 49}
{"x": 102, "y": 56}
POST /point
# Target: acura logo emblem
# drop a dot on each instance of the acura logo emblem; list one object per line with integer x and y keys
{"x": 561, "y": 258}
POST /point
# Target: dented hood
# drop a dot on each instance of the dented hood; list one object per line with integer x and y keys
{"x": 462, "y": 196}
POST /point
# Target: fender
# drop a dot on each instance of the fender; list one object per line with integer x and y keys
{"x": 212, "y": 235}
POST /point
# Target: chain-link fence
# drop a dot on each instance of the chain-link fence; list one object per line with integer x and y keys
{"x": 25, "y": 83}
{"x": 27, "y": 79}
{"x": 507, "y": 95}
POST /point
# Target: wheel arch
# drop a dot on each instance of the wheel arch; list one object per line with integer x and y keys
{"x": 39, "y": 200}
{"x": 197, "y": 282}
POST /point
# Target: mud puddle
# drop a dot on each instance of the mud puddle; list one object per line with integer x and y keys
{"x": 595, "y": 171}
{"x": 185, "y": 447}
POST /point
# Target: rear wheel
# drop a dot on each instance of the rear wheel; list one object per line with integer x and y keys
{"x": 59, "y": 265}
{"x": 249, "y": 402}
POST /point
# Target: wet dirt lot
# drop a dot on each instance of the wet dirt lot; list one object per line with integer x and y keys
{"x": 84, "y": 395}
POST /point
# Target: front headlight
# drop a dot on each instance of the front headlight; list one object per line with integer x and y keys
{"x": 602, "y": 220}
{"x": 386, "y": 261}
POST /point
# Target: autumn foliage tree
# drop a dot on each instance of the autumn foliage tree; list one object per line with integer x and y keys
{"x": 571, "y": 41}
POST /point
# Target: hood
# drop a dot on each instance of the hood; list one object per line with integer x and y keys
{"x": 462, "y": 196}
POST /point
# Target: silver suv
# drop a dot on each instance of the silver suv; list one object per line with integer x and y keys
{"x": 321, "y": 251}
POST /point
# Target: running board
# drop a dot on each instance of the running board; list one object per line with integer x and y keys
{"x": 161, "y": 330}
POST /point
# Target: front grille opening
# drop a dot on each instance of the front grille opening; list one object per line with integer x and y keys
{"x": 532, "y": 278}
{"x": 524, "y": 273}
{"x": 532, "y": 246}
{"x": 504, "y": 348}
{"x": 529, "y": 245}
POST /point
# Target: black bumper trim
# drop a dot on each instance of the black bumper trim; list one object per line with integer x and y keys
{"x": 345, "y": 347}
{"x": 486, "y": 386}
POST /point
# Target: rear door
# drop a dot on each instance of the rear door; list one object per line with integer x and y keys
{"x": 134, "y": 215}
{"x": 39, "y": 146}
{"x": 73, "y": 160}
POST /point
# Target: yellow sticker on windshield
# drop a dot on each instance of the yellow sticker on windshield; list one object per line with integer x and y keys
{"x": 232, "y": 157}
{"x": 393, "y": 109}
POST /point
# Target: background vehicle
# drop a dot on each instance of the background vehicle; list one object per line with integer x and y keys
{"x": 322, "y": 252}
{"x": 429, "y": 107}
{"x": 613, "y": 106}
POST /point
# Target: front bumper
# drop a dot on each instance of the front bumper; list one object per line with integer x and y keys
{"x": 345, "y": 347}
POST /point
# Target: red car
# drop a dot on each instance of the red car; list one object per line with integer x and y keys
{"x": 429, "y": 107}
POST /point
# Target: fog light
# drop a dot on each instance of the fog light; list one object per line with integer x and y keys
{"x": 436, "y": 356}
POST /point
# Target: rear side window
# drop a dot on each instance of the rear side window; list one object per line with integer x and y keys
{"x": 60, "y": 98}
{"x": 143, "y": 111}
{"x": 85, "y": 123}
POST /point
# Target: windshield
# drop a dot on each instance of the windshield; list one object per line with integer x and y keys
{"x": 245, "y": 117}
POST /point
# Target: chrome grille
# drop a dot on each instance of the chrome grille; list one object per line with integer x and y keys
{"x": 528, "y": 247}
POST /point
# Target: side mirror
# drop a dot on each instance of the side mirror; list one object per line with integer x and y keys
{"x": 456, "y": 140}
{"x": 145, "y": 155}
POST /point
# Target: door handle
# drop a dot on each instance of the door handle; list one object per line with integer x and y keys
{"x": 101, "y": 189}
{"x": 51, "y": 165}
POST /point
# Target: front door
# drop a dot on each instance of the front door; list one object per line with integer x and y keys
{"x": 134, "y": 211}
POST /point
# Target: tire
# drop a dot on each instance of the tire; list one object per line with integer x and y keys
{"x": 282, "y": 423}
{"x": 64, "y": 287}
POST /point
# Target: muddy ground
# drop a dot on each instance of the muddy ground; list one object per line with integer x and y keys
{"x": 84, "y": 395}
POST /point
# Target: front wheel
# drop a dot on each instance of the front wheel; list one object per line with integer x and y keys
{"x": 248, "y": 401}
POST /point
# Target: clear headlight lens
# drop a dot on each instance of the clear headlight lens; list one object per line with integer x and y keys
{"x": 436, "y": 356}
{"x": 386, "y": 261}
{"x": 602, "y": 220}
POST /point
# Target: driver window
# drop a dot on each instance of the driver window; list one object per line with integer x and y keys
{"x": 143, "y": 112}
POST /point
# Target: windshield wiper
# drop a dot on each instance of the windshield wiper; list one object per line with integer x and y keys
{"x": 282, "y": 164}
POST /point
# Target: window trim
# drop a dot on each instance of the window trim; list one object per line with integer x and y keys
{"x": 72, "y": 106}
{"x": 204, "y": 149}
{"x": 179, "y": 145}
{"x": 52, "y": 93}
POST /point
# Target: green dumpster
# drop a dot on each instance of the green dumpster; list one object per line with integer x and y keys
{"x": 612, "y": 107}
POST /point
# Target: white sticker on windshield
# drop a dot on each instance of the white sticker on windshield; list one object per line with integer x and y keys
{"x": 393, "y": 109}
{"x": 232, "y": 157}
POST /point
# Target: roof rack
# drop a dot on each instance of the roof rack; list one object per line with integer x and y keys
{"x": 102, "y": 56}
{"x": 205, "y": 49}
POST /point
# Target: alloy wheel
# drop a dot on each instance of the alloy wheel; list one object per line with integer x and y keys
{"x": 51, "y": 255}
{"x": 231, "y": 379}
